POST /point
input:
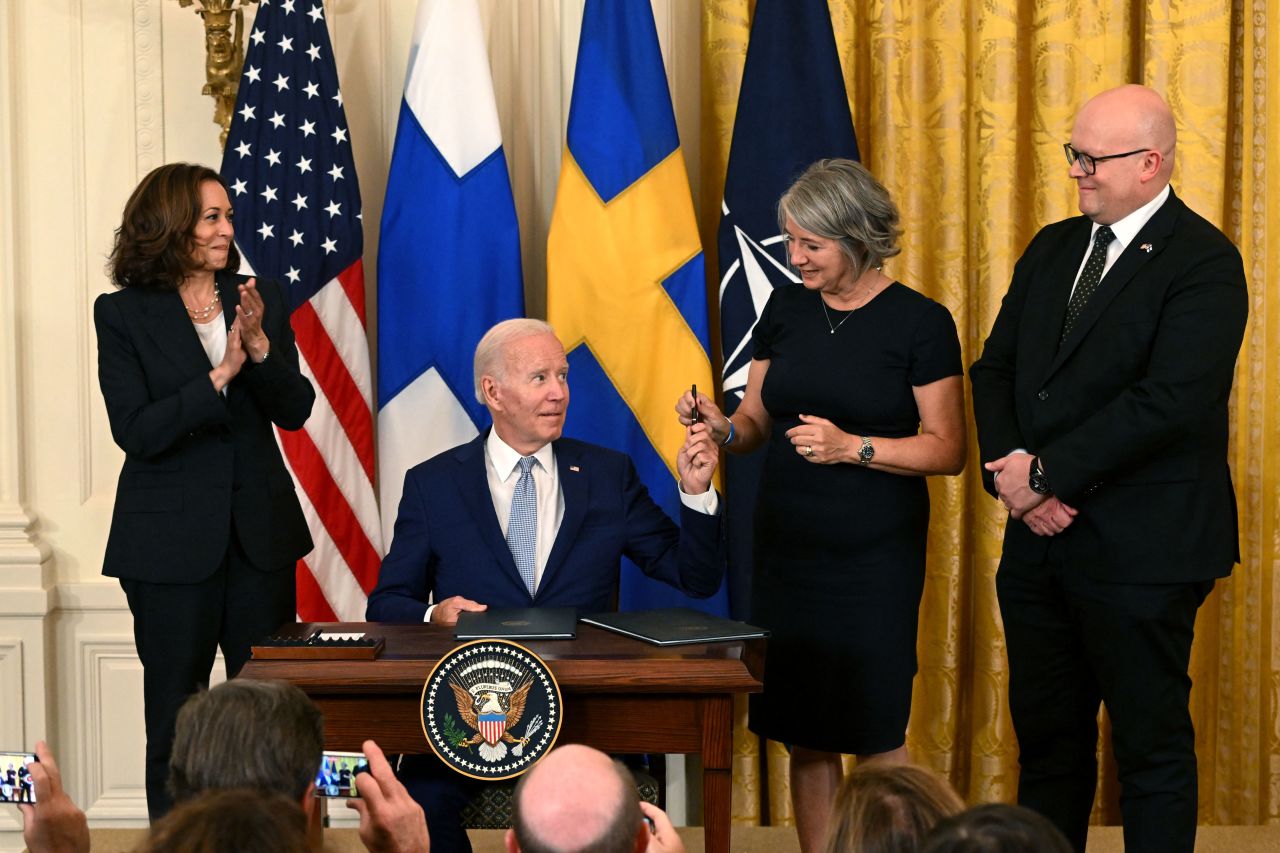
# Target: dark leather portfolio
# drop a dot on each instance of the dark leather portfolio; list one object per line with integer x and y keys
{"x": 517, "y": 623}
{"x": 675, "y": 626}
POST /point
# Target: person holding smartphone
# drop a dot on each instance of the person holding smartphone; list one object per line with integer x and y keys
{"x": 51, "y": 822}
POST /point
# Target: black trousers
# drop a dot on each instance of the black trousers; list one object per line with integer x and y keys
{"x": 1074, "y": 642}
{"x": 178, "y": 629}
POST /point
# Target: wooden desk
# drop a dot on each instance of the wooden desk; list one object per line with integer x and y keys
{"x": 620, "y": 695}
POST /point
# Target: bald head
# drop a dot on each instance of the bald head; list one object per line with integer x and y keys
{"x": 577, "y": 799}
{"x": 1129, "y": 120}
{"x": 1136, "y": 116}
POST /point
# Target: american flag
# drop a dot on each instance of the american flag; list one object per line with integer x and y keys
{"x": 292, "y": 179}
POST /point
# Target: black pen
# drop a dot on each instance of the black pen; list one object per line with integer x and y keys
{"x": 696, "y": 415}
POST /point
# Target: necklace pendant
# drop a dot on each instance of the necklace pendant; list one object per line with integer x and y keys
{"x": 833, "y": 331}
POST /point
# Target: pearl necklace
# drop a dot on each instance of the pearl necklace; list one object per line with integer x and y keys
{"x": 199, "y": 315}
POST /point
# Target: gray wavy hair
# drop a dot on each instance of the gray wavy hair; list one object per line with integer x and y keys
{"x": 489, "y": 360}
{"x": 842, "y": 201}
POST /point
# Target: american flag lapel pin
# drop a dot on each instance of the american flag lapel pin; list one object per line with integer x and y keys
{"x": 1146, "y": 247}
{"x": 575, "y": 468}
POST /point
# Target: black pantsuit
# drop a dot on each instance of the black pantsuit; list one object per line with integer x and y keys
{"x": 1128, "y": 413}
{"x": 206, "y": 528}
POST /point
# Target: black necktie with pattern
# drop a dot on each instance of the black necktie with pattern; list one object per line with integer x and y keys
{"x": 1089, "y": 279}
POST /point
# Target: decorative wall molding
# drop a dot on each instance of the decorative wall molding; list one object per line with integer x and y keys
{"x": 12, "y": 729}
{"x": 148, "y": 87}
{"x": 21, "y": 553}
{"x": 110, "y": 737}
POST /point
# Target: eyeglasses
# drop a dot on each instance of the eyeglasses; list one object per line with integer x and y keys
{"x": 1088, "y": 162}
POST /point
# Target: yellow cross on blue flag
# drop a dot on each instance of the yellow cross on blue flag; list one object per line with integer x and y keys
{"x": 626, "y": 286}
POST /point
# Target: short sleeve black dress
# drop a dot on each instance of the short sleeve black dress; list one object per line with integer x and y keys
{"x": 840, "y": 549}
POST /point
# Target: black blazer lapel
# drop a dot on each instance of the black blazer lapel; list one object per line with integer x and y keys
{"x": 1156, "y": 234}
{"x": 575, "y": 485}
{"x": 166, "y": 321}
{"x": 1061, "y": 265}
{"x": 473, "y": 484}
{"x": 229, "y": 293}
{"x": 1066, "y": 265}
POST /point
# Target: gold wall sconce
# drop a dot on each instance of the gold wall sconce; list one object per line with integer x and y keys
{"x": 224, "y": 55}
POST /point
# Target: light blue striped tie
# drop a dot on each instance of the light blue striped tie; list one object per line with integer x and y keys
{"x": 522, "y": 525}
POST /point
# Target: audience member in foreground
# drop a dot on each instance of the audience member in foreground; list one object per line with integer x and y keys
{"x": 268, "y": 736}
{"x": 53, "y": 824}
{"x": 578, "y": 799}
{"x": 996, "y": 828}
{"x": 264, "y": 735}
{"x": 230, "y": 821}
{"x": 888, "y": 808}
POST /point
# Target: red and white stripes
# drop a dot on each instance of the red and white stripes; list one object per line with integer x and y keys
{"x": 331, "y": 457}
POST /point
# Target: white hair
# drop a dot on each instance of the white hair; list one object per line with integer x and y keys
{"x": 489, "y": 359}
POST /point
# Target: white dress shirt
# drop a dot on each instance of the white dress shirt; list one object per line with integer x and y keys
{"x": 1125, "y": 230}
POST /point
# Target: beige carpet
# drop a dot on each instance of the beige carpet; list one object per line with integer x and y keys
{"x": 1106, "y": 839}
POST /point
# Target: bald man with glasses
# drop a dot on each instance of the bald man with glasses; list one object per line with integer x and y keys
{"x": 1101, "y": 403}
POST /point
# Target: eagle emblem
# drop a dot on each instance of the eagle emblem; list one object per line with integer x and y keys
{"x": 491, "y": 709}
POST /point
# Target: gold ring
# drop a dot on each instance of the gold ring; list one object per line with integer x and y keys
{"x": 808, "y": 450}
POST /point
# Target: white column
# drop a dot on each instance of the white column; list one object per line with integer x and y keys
{"x": 24, "y": 559}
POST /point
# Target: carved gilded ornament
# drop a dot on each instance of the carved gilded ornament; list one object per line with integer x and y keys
{"x": 224, "y": 55}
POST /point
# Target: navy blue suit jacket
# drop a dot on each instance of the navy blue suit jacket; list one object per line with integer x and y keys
{"x": 447, "y": 540}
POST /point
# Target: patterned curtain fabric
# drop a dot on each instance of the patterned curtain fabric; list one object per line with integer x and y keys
{"x": 961, "y": 109}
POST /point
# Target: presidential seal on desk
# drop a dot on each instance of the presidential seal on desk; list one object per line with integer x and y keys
{"x": 491, "y": 709}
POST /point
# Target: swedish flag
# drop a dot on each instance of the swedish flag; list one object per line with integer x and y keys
{"x": 625, "y": 278}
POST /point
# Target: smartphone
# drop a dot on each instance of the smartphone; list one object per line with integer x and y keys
{"x": 695, "y": 415}
{"x": 337, "y": 774}
{"x": 16, "y": 784}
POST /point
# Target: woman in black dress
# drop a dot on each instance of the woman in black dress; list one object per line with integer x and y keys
{"x": 196, "y": 364}
{"x": 856, "y": 387}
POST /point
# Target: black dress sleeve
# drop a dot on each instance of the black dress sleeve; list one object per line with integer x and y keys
{"x": 935, "y": 350}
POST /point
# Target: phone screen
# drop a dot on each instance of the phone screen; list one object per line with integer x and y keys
{"x": 337, "y": 774}
{"x": 16, "y": 784}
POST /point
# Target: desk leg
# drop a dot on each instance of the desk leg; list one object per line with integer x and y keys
{"x": 315, "y": 824}
{"x": 717, "y": 776}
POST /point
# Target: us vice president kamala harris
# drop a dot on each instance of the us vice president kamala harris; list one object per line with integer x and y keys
{"x": 196, "y": 364}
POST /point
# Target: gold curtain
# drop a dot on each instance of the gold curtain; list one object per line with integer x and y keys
{"x": 961, "y": 107}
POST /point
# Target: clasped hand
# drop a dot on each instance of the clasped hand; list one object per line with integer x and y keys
{"x": 1045, "y": 515}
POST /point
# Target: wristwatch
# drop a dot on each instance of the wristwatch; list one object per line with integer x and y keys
{"x": 1037, "y": 480}
{"x": 867, "y": 452}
